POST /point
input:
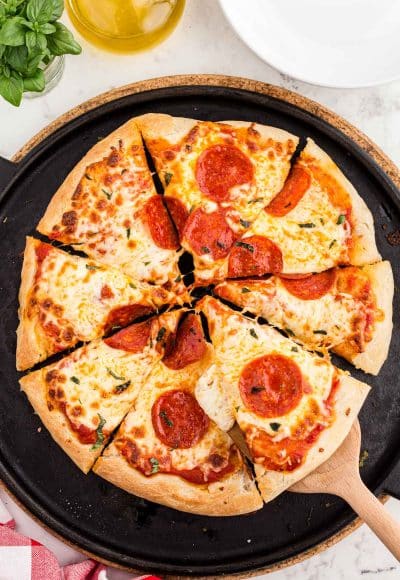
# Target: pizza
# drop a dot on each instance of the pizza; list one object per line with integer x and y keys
{"x": 133, "y": 282}
{"x": 108, "y": 208}
{"x": 347, "y": 310}
{"x": 217, "y": 178}
{"x": 83, "y": 397}
{"x": 316, "y": 222}
{"x": 54, "y": 316}
{"x": 293, "y": 407}
{"x": 167, "y": 450}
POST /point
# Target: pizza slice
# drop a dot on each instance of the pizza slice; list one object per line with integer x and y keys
{"x": 65, "y": 299}
{"x": 217, "y": 178}
{"x": 347, "y": 310}
{"x": 82, "y": 398}
{"x": 108, "y": 208}
{"x": 293, "y": 407}
{"x": 167, "y": 449}
{"x": 316, "y": 222}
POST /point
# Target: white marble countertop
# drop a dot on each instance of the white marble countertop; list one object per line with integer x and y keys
{"x": 205, "y": 43}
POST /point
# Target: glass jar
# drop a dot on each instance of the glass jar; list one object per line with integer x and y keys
{"x": 125, "y": 26}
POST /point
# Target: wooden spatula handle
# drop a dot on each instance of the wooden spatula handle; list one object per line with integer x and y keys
{"x": 370, "y": 509}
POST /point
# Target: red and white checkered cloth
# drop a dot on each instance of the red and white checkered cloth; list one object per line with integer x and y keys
{"x": 22, "y": 558}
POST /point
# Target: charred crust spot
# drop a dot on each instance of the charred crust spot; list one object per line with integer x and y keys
{"x": 60, "y": 393}
{"x": 52, "y": 375}
{"x": 69, "y": 219}
{"x": 77, "y": 192}
{"x": 192, "y": 134}
{"x": 347, "y": 412}
{"x": 120, "y": 143}
{"x": 47, "y": 303}
{"x": 68, "y": 334}
{"x": 216, "y": 460}
{"x": 113, "y": 158}
{"x": 52, "y": 393}
{"x": 253, "y": 131}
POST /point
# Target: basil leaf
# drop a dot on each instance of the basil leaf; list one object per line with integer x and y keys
{"x": 11, "y": 88}
{"x": 47, "y": 28}
{"x": 121, "y": 388}
{"x": 35, "y": 83}
{"x": 39, "y": 11}
{"x": 17, "y": 57}
{"x": 275, "y": 426}
{"x": 57, "y": 9}
{"x": 155, "y": 466}
{"x": 13, "y": 32}
{"x": 100, "y": 434}
{"x": 30, "y": 40}
{"x": 62, "y": 41}
{"x": 2, "y": 50}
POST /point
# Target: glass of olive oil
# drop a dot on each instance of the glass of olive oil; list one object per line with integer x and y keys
{"x": 125, "y": 25}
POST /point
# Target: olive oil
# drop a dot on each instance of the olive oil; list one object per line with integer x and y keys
{"x": 125, "y": 25}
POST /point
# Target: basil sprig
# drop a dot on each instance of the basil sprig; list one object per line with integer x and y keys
{"x": 30, "y": 37}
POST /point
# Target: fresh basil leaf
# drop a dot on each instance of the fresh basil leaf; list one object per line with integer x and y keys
{"x": 11, "y": 89}
{"x": 35, "y": 83}
{"x": 57, "y": 9}
{"x": 30, "y": 40}
{"x": 17, "y": 57}
{"x": 41, "y": 41}
{"x": 99, "y": 433}
{"x": 47, "y": 28}
{"x": 39, "y": 11}
{"x": 2, "y": 50}
{"x": 12, "y": 32}
{"x": 62, "y": 41}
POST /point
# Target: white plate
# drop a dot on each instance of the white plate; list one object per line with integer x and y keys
{"x": 334, "y": 43}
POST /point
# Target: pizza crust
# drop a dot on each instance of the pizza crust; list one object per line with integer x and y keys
{"x": 56, "y": 423}
{"x": 364, "y": 250}
{"x": 61, "y": 200}
{"x": 235, "y": 495}
{"x": 376, "y": 351}
{"x": 30, "y": 348}
{"x": 349, "y": 401}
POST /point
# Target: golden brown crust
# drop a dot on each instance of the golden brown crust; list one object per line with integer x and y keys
{"x": 349, "y": 400}
{"x": 364, "y": 250}
{"x": 56, "y": 423}
{"x": 30, "y": 348}
{"x": 376, "y": 350}
{"x": 155, "y": 126}
{"x": 235, "y": 495}
{"x": 61, "y": 200}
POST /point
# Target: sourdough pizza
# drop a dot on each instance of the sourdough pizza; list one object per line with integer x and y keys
{"x": 82, "y": 398}
{"x": 348, "y": 310}
{"x": 65, "y": 299}
{"x": 217, "y": 177}
{"x": 108, "y": 208}
{"x": 293, "y": 407}
{"x": 282, "y": 235}
{"x": 167, "y": 450}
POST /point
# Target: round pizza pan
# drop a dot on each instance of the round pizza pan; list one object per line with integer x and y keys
{"x": 91, "y": 514}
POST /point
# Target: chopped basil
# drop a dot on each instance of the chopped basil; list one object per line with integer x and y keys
{"x": 363, "y": 458}
{"x": 333, "y": 242}
{"x": 128, "y": 233}
{"x": 320, "y": 332}
{"x": 205, "y": 250}
{"x": 124, "y": 170}
{"x": 178, "y": 278}
{"x": 108, "y": 194}
{"x": 80, "y": 401}
{"x": 245, "y": 290}
{"x": 167, "y": 178}
{"x": 237, "y": 408}
{"x": 289, "y": 331}
{"x": 248, "y": 247}
{"x": 132, "y": 285}
{"x": 275, "y": 426}
{"x": 155, "y": 466}
{"x": 75, "y": 380}
{"x": 307, "y": 225}
{"x": 341, "y": 219}
{"x": 100, "y": 434}
{"x": 146, "y": 263}
{"x": 110, "y": 372}
{"x": 295, "y": 349}
{"x": 256, "y": 200}
{"x": 161, "y": 333}
{"x": 256, "y": 390}
{"x": 253, "y": 333}
{"x": 88, "y": 177}
{"x": 166, "y": 419}
{"x": 121, "y": 388}
{"x": 322, "y": 221}
{"x": 221, "y": 245}
{"x": 245, "y": 223}
{"x": 92, "y": 267}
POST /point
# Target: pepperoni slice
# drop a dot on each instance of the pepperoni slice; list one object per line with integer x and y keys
{"x": 123, "y": 315}
{"x": 188, "y": 345}
{"x": 131, "y": 339}
{"x": 209, "y": 233}
{"x": 42, "y": 251}
{"x": 178, "y": 213}
{"x": 161, "y": 228}
{"x": 271, "y": 385}
{"x": 312, "y": 287}
{"x": 178, "y": 419}
{"x": 221, "y": 167}
{"x": 295, "y": 187}
{"x": 254, "y": 256}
